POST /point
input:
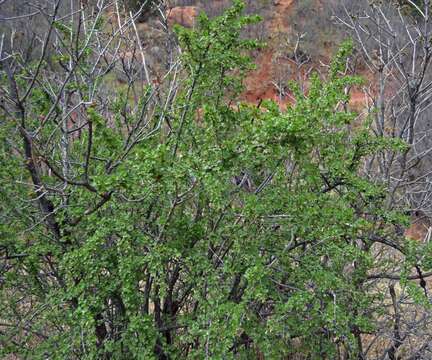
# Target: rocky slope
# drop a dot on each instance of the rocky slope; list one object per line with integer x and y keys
{"x": 283, "y": 58}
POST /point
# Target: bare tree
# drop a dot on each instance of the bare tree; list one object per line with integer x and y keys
{"x": 394, "y": 43}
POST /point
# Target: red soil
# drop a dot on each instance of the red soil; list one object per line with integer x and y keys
{"x": 259, "y": 83}
{"x": 182, "y": 15}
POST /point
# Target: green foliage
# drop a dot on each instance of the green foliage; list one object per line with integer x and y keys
{"x": 236, "y": 232}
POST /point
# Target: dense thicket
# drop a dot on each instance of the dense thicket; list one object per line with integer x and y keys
{"x": 161, "y": 218}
